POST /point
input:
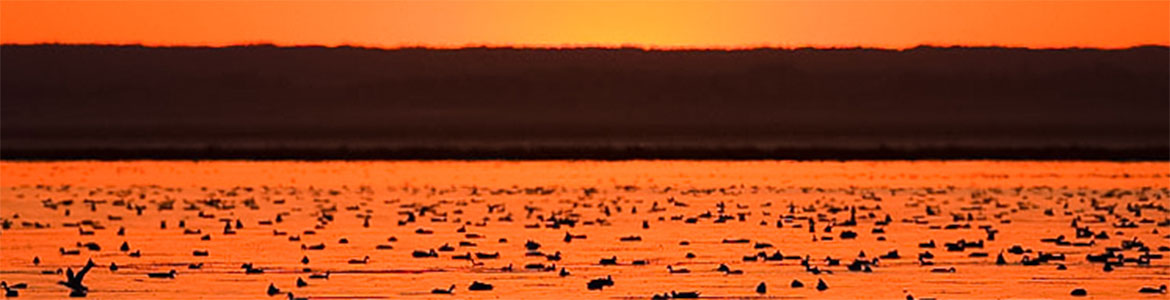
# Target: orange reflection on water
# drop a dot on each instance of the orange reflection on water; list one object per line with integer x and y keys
{"x": 506, "y": 204}
{"x": 587, "y": 173}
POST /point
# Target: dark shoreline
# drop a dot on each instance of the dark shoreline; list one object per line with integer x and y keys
{"x": 319, "y": 103}
{"x": 596, "y": 153}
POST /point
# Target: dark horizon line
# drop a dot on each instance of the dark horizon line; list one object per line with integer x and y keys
{"x": 583, "y": 47}
{"x": 423, "y": 153}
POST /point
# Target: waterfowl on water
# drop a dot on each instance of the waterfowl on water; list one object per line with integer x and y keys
{"x": 479, "y": 286}
{"x": 762, "y": 288}
{"x": 249, "y": 269}
{"x": 821, "y": 285}
{"x": 672, "y": 270}
{"x": 301, "y": 282}
{"x": 1079, "y": 292}
{"x": 796, "y": 284}
{"x": 448, "y": 291}
{"x": 1150, "y": 290}
{"x": 600, "y": 283}
{"x": 424, "y": 254}
{"x": 74, "y": 281}
{"x": 272, "y": 290}
{"x": 291, "y": 297}
{"x": 169, "y": 275}
{"x": 11, "y": 291}
{"x": 553, "y": 257}
{"x": 684, "y": 295}
{"x": 362, "y": 261}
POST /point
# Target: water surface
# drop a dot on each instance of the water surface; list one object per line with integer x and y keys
{"x": 509, "y": 203}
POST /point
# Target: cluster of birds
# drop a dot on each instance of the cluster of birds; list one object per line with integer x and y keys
{"x": 1090, "y": 228}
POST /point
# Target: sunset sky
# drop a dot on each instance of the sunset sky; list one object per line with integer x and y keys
{"x": 653, "y": 24}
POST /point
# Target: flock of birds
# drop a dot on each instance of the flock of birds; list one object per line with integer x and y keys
{"x": 1099, "y": 221}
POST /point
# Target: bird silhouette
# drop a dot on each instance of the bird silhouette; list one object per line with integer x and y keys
{"x": 449, "y": 290}
{"x": 74, "y": 281}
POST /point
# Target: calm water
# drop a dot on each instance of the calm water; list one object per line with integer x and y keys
{"x": 496, "y": 207}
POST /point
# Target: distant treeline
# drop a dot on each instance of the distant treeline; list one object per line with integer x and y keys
{"x": 592, "y": 153}
{"x": 299, "y": 102}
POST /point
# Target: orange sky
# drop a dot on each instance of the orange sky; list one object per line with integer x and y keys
{"x": 659, "y": 24}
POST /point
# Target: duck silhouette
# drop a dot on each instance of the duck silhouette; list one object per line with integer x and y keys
{"x": 272, "y": 290}
{"x": 424, "y": 254}
{"x": 762, "y": 288}
{"x": 249, "y": 269}
{"x": 362, "y": 261}
{"x": 821, "y": 285}
{"x": 9, "y": 292}
{"x": 74, "y": 281}
{"x": 169, "y": 275}
{"x": 479, "y": 286}
{"x": 600, "y": 283}
{"x": 1150, "y": 290}
{"x": 320, "y": 275}
{"x": 449, "y": 290}
{"x": 301, "y": 282}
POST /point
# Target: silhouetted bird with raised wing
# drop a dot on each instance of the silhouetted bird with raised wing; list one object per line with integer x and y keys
{"x": 73, "y": 281}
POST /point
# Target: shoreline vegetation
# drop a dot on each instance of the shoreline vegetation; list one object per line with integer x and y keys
{"x": 593, "y": 153}
{"x": 275, "y": 102}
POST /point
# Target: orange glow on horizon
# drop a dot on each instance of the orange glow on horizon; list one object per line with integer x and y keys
{"x": 647, "y": 24}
